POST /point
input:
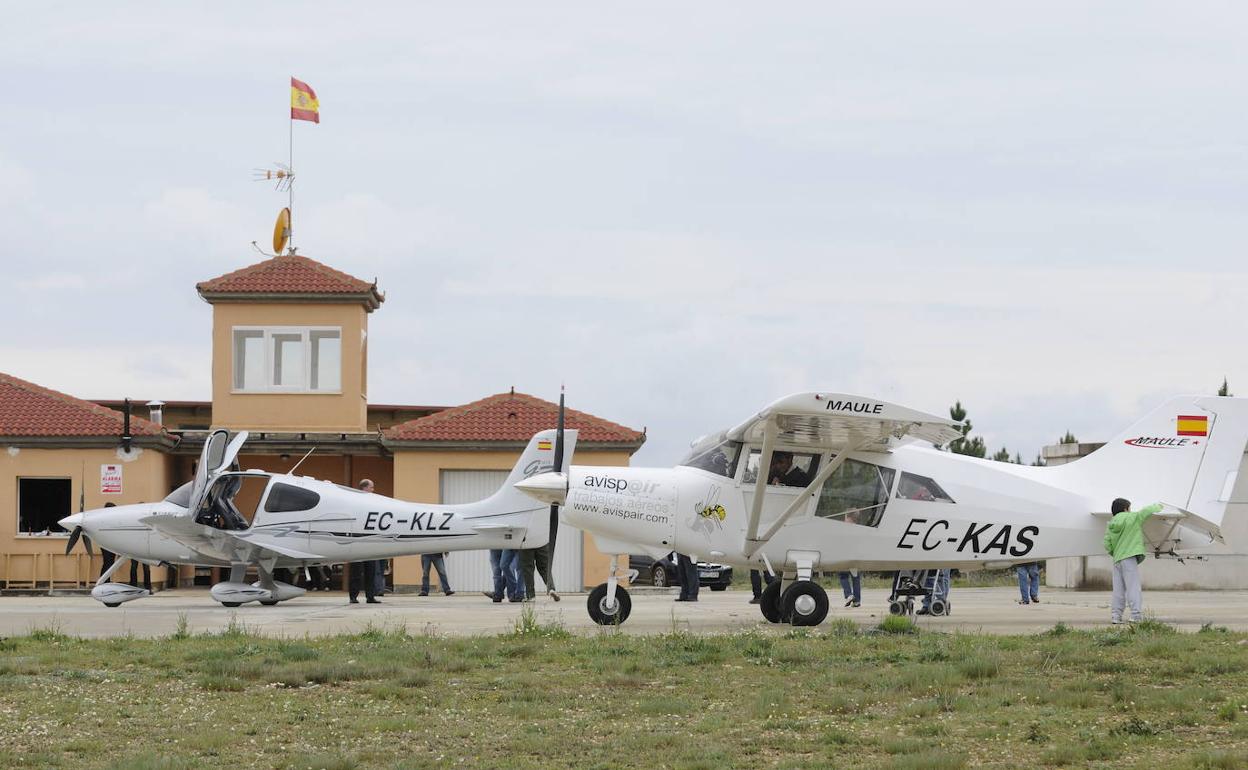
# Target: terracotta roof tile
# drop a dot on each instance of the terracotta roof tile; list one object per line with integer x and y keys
{"x": 508, "y": 417}
{"x": 289, "y": 274}
{"x": 28, "y": 410}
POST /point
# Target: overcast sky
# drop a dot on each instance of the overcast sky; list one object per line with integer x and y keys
{"x": 683, "y": 211}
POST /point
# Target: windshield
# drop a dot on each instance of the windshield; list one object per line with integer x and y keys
{"x": 181, "y": 496}
{"x": 720, "y": 459}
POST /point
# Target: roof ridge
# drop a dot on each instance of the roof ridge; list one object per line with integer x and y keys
{"x": 478, "y": 417}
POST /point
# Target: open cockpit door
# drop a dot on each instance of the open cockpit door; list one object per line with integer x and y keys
{"x": 217, "y": 456}
{"x": 835, "y": 422}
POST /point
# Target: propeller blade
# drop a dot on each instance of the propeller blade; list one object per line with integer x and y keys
{"x": 87, "y": 542}
{"x": 559, "y": 437}
{"x": 73, "y": 539}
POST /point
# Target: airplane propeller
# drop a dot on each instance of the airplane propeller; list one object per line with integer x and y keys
{"x": 73, "y": 539}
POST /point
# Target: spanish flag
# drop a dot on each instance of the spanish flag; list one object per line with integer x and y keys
{"x": 303, "y": 102}
{"x": 543, "y": 445}
{"x": 1189, "y": 425}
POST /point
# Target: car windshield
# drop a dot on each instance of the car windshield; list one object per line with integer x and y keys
{"x": 181, "y": 496}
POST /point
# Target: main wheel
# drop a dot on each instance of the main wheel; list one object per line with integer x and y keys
{"x": 770, "y": 602}
{"x": 268, "y": 602}
{"x": 231, "y": 604}
{"x": 805, "y": 603}
{"x": 938, "y": 607}
{"x": 609, "y": 616}
{"x": 111, "y": 605}
{"x": 658, "y": 576}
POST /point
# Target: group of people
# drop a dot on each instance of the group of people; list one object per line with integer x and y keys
{"x": 370, "y": 576}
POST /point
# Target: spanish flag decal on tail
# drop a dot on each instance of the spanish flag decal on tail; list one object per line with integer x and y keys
{"x": 545, "y": 445}
{"x": 1190, "y": 425}
{"x": 303, "y": 102}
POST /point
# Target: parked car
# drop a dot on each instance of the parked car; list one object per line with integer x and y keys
{"x": 662, "y": 572}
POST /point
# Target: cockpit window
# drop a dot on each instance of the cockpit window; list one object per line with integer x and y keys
{"x": 181, "y": 496}
{"x": 856, "y": 493}
{"x": 912, "y": 487}
{"x": 232, "y": 501}
{"x": 720, "y": 460}
{"x": 286, "y": 498}
{"x": 788, "y": 469}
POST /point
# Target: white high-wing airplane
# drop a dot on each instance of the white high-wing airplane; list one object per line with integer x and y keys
{"x": 851, "y": 482}
{"x": 237, "y": 519}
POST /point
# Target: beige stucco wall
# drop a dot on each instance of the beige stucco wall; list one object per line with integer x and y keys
{"x": 346, "y": 411}
{"x": 23, "y": 558}
{"x": 417, "y": 477}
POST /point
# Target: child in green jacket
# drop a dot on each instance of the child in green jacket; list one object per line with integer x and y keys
{"x": 1124, "y": 542}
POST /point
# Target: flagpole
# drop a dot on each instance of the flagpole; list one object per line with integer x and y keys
{"x": 290, "y": 188}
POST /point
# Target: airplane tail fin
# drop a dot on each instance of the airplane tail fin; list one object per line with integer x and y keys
{"x": 510, "y": 504}
{"x": 1187, "y": 453}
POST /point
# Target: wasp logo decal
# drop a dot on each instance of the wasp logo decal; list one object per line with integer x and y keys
{"x": 710, "y": 514}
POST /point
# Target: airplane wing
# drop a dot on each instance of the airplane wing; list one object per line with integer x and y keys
{"x": 841, "y": 420}
{"x": 218, "y": 544}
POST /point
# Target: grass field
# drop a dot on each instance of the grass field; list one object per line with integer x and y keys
{"x": 839, "y": 696}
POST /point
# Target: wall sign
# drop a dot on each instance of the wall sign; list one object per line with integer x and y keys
{"x": 110, "y": 479}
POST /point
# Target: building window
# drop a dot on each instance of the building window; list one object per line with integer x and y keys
{"x": 287, "y": 359}
{"x": 41, "y": 503}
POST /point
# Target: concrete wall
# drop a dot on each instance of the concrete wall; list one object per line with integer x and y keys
{"x": 35, "y": 561}
{"x": 417, "y": 476}
{"x": 344, "y": 412}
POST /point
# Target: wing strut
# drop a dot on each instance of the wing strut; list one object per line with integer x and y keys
{"x": 752, "y": 544}
{"x": 770, "y": 430}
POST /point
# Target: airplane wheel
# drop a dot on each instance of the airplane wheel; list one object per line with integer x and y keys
{"x": 111, "y": 605}
{"x": 769, "y": 603}
{"x": 938, "y": 607}
{"x": 658, "y": 577}
{"x": 609, "y": 616}
{"x": 896, "y": 607}
{"x": 268, "y": 602}
{"x": 231, "y": 604}
{"x": 805, "y": 603}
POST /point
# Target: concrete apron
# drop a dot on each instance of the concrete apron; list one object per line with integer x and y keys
{"x": 986, "y": 610}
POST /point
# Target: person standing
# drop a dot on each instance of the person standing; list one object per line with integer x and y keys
{"x": 687, "y": 571}
{"x": 1029, "y": 582}
{"x": 362, "y": 578}
{"x": 756, "y": 584}
{"x": 851, "y": 587}
{"x": 1124, "y": 542}
{"x": 147, "y": 575}
{"x": 506, "y": 576}
{"x": 379, "y": 566}
{"x": 542, "y": 561}
{"x": 437, "y": 561}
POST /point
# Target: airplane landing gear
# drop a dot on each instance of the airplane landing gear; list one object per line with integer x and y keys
{"x": 609, "y": 603}
{"x": 769, "y": 602}
{"x": 805, "y": 603}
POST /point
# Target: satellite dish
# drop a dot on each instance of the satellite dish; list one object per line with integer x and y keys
{"x": 281, "y": 231}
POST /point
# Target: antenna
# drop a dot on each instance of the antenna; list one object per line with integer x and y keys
{"x": 301, "y": 459}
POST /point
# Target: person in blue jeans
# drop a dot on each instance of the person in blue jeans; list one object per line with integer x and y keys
{"x": 851, "y": 586}
{"x": 941, "y": 590}
{"x": 1028, "y": 582}
{"x": 505, "y": 564}
{"x": 435, "y": 560}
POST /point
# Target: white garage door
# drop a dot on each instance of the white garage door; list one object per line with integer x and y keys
{"x": 470, "y": 570}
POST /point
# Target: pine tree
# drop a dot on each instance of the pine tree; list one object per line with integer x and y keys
{"x": 966, "y": 445}
{"x": 1002, "y": 455}
{"x": 1039, "y": 461}
{"x": 1069, "y": 438}
{"x": 1018, "y": 458}
{"x": 1225, "y": 390}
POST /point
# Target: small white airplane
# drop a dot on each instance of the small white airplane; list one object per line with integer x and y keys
{"x": 238, "y": 519}
{"x": 852, "y": 482}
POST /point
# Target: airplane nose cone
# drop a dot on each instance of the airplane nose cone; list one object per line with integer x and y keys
{"x": 69, "y": 522}
{"x": 549, "y": 488}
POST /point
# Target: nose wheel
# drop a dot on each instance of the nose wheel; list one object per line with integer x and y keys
{"x": 605, "y": 612}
